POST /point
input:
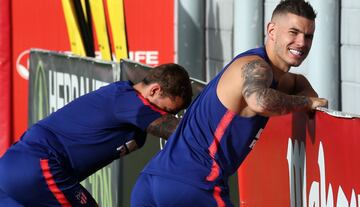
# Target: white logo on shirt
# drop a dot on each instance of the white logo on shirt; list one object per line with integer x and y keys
{"x": 256, "y": 138}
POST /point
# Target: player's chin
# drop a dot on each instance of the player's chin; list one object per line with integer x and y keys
{"x": 295, "y": 62}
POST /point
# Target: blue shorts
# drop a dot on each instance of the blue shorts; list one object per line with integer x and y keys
{"x": 6, "y": 200}
{"x": 157, "y": 191}
{"x": 31, "y": 175}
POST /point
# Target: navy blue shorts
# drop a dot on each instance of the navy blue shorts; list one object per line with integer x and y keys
{"x": 156, "y": 191}
{"x": 30, "y": 175}
{"x": 6, "y": 200}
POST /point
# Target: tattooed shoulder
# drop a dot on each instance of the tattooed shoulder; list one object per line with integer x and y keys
{"x": 257, "y": 74}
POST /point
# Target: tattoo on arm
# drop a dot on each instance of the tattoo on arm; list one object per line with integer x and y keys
{"x": 257, "y": 79}
{"x": 164, "y": 126}
{"x": 276, "y": 102}
{"x": 257, "y": 75}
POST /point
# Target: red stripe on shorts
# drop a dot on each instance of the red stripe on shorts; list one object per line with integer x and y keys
{"x": 219, "y": 132}
{"x": 60, "y": 197}
{"x": 217, "y": 197}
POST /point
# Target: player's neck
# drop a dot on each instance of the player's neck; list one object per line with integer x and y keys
{"x": 140, "y": 88}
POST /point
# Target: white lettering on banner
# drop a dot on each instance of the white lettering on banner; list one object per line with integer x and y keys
{"x": 65, "y": 87}
{"x": 297, "y": 167}
{"x": 147, "y": 57}
{"x": 84, "y": 85}
{"x": 296, "y": 157}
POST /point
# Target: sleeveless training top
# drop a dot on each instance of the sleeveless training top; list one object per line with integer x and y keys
{"x": 211, "y": 141}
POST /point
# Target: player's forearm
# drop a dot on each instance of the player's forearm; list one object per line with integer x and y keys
{"x": 272, "y": 102}
{"x": 164, "y": 126}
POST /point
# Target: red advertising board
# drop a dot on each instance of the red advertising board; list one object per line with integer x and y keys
{"x": 303, "y": 162}
{"x": 41, "y": 24}
{"x": 35, "y": 24}
{"x": 5, "y": 75}
{"x": 150, "y": 30}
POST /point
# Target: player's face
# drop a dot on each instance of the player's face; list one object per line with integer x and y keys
{"x": 293, "y": 37}
{"x": 171, "y": 105}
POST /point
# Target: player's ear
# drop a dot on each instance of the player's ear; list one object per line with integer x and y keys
{"x": 155, "y": 88}
{"x": 270, "y": 30}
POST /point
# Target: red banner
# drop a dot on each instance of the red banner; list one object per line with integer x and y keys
{"x": 150, "y": 30}
{"x": 41, "y": 24}
{"x": 36, "y": 24}
{"x": 5, "y": 75}
{"x": 303, "y": 162}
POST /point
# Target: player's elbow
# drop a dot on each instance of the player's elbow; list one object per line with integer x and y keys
{"x": 256, "y": 105}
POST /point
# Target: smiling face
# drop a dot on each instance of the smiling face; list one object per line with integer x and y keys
{"x": 289, "y": 40}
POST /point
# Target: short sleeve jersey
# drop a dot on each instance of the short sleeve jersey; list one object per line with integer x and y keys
{"x": 211, "y": 141}
{"x": 93, "y": 129}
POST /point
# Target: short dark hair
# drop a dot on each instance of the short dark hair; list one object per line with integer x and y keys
{"x": 174, "y": 81}
{"x": 298, "y": 7}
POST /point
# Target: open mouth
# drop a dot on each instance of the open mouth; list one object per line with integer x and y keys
{"x": 296, "y": 52}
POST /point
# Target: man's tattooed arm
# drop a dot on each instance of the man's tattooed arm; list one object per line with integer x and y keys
{"x": 164, "y": 126}
{"x": 257, "y": 77}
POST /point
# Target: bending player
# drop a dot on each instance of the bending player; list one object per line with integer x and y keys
{"x": 218, "y": 129}
{"x": 46, "y": 166}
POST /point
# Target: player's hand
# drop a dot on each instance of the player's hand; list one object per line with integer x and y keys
{"x": 318, "y": 102}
